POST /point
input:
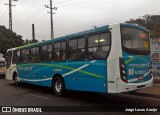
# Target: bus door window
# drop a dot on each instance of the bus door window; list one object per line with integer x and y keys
{"x": 8, "y": 59}
{"x": 99, "y": 46}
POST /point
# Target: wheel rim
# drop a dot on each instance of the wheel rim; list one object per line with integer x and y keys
{"x": 58, "y": 86}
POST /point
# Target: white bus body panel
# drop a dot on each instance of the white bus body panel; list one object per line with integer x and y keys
{"x": 12, "y": 68}
{"x": 113, "y": 59}
{"x": 115, "y": 84}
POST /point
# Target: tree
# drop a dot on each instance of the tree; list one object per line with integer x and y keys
{"x": 9, "y": 39}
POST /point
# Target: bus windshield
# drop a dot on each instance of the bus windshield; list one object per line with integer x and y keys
{"x": 2, "y": 64}
{"x": 134, "y": 39}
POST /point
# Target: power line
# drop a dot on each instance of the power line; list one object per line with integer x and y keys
{"x": 37, "y": 12}
{"x": 78, "y": 3}
{"x": 28, "y": 27}
{"x": 29, "y": 19}
{"x": 84, "y": 5}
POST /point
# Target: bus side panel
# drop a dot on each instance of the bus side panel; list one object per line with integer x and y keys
{"x": 99, "y": 82}
{"x": 40, "y": 73}
{"x": 27, "y": 73}
{"x": 87, "y": 76}
{"x": 49, "y": 70}
{"x": 113, "y": 59}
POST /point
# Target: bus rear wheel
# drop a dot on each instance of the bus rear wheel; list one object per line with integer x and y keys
{"x": 58, "y": 86}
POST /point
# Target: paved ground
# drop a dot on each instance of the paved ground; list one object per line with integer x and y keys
{"x": 29, "y": 95}
{"x": 151, "y": 91}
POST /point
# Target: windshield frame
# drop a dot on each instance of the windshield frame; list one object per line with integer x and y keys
{"x": 135, "y": 51}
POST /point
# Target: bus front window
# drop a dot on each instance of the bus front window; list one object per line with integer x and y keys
{"x": 135, "y": 40}
{"x": 2, "y": 64}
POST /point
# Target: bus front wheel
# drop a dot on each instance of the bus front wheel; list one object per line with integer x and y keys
{"x": 58, "y": 86}
{"x": 15, "y": 78}
{"x": 16, "y": 82}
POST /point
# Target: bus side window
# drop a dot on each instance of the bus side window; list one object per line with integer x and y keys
{"x": 44, "y": 55}
{"x": 56, "y": 52}
{"x": 72, "y": 48}
{"x": 81, "y": 49}
{"x": 24, "y": 56}
{"x": 99, "y": 46}
{"x": 60, "y": 51}
{"x": 63, "y": 51}
{"x": 35, "y": 54}
{"x": 77, "y": 49}
{"x": 50, "y": 48}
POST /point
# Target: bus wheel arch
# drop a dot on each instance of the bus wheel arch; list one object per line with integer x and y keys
{"x": 58, "y": 85}
{"x": 15, "y": 78}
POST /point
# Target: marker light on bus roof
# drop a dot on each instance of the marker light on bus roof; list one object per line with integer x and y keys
{"x": 101, "y": 40}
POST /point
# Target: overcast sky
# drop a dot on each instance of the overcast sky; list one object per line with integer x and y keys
{"x": 72, "y": 15}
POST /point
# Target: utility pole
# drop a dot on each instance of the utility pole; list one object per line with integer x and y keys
{"x": 10, "y": 13}
{"x": 51, "y": 16}
{"x": 33, "y": 33}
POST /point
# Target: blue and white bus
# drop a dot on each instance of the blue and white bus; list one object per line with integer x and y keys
{"x": 109, "y": 59}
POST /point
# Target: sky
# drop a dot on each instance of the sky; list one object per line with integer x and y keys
{"x": 71, "y": 16}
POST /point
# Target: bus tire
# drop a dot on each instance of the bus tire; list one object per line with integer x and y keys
{"x": 58, "y": 86}
{"x": 15, "y": 78}
{"x": 16, "y": 82}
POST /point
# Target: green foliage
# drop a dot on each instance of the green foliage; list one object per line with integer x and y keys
{"x": 8, "y": 39}
{"x": 151, "y": 22}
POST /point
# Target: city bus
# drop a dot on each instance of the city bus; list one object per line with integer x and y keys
{"x": 110, "y": 59}
{"x": 2, "y": 66}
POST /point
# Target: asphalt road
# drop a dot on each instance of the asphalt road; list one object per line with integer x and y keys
{"x": 30, "y": 95}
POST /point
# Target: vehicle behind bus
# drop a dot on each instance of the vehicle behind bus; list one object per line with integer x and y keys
{"x": 2, "y": 67}
{"x": 110, "y": 59}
